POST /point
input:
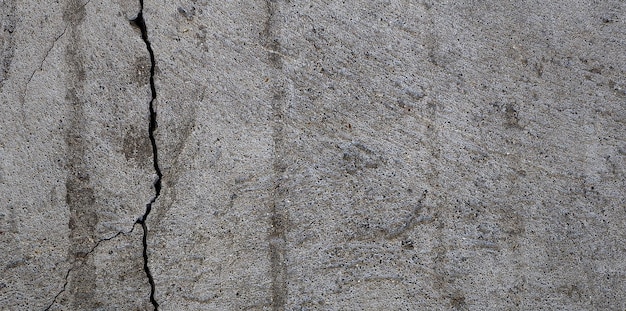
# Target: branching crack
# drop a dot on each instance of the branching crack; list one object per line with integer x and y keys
{"x": 140, "y": 22}
{"x": 82, "y": 257}
{"x": 152, "y": 125}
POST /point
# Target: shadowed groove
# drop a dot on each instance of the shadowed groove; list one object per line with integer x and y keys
{"x": 140, "y": 22}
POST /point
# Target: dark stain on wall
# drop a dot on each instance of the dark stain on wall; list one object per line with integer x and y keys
{"x": 80, "y": 196}
{"x": 278, "y": 225}
{"x": 136, "y": 147}
{"x": 142, "y": 70}
{"x": 512, "y": 117}
{"x": 7, "y": 51}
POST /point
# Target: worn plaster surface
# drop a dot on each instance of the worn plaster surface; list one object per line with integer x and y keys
{"x": 312, "y": 155}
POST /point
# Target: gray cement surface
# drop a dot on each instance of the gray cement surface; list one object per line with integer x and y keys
{"x": 313, "y": 155}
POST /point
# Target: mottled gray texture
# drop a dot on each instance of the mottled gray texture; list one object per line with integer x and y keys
{"x": 316, "y": 155}
{"x": 74, "y": 167}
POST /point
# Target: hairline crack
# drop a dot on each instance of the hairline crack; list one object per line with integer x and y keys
{"x": 83, "y": 257}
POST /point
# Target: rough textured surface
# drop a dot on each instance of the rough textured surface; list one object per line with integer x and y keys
{"x": 76, "y": 159}
{"x": 315, "y": 155}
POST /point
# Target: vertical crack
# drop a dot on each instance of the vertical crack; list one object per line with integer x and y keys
{"x": 140, "y": 22}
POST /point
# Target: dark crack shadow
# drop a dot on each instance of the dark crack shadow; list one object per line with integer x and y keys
{"x": 140, "y": 23}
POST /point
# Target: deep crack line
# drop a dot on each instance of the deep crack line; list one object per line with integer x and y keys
{"x": 140, "y": 22}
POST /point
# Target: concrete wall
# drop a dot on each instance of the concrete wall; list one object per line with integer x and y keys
{"x": 313, "y": 155}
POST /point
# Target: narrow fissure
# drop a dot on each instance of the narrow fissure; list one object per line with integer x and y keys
{"x": 141, "y": 24}
{"x": 72, "y": 266}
